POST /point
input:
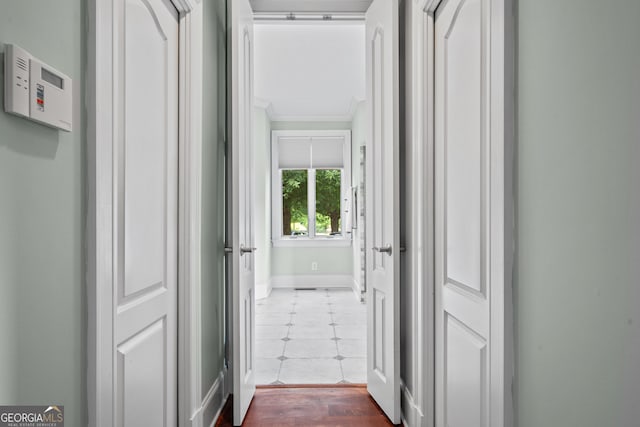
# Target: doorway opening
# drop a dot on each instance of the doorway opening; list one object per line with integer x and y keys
{"x": 307, "y": 152}
{"x": 308, "y": 132}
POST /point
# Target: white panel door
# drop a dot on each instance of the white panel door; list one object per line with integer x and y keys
{"x": 241, "y": 216}
{"x": 469, "y": 215}
{"x": 383, "y": 219}
{"x": 145, "y": 213}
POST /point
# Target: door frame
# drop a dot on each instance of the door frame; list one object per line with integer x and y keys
{"x": 99, "y": 226}
{"x": 503, "y": 97}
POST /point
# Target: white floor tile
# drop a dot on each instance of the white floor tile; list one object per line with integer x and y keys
{"x": 279, "y": 319}
{"x": 310, "y": 349}
{"x": 269, "y": 348}
{"x": 267, "y": 370}
{"x": 282, "y": 309}
{"x": 310, "y": 371}
{"x": 351, "y": 332}
{"x": 311, "y": 319}
{"x": 354, "y": 370}
{"x": 352, "y": 348}
{"x": 306, "y": 331}
{"x": 266, "y": 332}
{"x": 350, "y": 319}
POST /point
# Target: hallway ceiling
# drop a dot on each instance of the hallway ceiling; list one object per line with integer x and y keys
{"x": 318, "y": 6}
{"x": 311, "y": 71}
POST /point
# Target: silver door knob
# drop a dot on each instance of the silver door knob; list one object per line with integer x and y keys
{"x": 246, "y": 250}
{"x": 383, "y": 249}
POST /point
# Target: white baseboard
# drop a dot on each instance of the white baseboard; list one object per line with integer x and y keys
{"x": 263, "y": 290}
{"x": 212, "y": 404}
{"x": 411, "y": 415}
{"x": 357, "y": 290}
{"x": 313, "y": 281}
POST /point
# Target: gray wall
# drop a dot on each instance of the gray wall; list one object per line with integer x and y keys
{"x": 577, "y": 287}
{"x": 213, "y": 188}
{"x": 42, "y": 175}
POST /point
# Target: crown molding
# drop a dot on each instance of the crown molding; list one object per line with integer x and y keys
{"x": 266, "y": 105}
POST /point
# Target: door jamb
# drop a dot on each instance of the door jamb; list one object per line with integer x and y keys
{"x": 99, "y": 228}
{"x": 503, "y": 99}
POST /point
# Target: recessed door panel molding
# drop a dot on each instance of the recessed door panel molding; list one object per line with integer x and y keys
{"x": 145, "y": 210}
{"x": 142, "y": 378}
{"x": 472, "y": 181}
{"x": 382, "y": 206}
{"x": 465, "y": 146}
{"x": 377, "y": 144}
{"x": 143, "y": 151}
{"x": 379, "y": 334}
{"x": 466, "y": 382}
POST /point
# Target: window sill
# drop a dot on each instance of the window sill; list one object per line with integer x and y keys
{"x": 302, "y": 242}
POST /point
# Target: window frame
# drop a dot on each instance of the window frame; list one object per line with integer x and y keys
{"x": 344, "y": 239}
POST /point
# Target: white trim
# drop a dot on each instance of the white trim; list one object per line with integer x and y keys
{"x": 266, "y": 105}
{"x": 411, "y": 414}
{"x": 353, "y": 107}
{"x": 263, "y": 290}
{"x": 324, "y": 6}
{"x": 100, "y": 140}
{"x": 212, "y": 404}
{"x": 318, "y": 242}
{"x": 100, "y": 280}
{"x": 312, "y": 281}
{"x": 355, "y": 285}
{"x": 190, "y": 208}
{"x": 275, "y": 117}
{"x": 185, "y": 6}
{"x": 317, "y": 118}
{"x": 276, "y": 189}
{"x": 420, "y": 248}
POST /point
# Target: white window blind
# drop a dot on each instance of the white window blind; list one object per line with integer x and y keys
{"x": 315, "y": 152}
{"x": 294, "y": 153}
{"x": 327, "y": 152}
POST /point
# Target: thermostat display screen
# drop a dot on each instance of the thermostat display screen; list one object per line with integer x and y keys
{"x": 49, "y": 77}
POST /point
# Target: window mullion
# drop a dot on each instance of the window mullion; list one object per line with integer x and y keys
{"x": 311, "y": 207}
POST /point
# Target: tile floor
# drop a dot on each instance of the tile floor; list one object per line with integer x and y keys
{"x": 311, "y": 337}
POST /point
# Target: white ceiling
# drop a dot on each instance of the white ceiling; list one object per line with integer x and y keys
{"x": 311, "y": 71}
{"x": 318, "y": 6}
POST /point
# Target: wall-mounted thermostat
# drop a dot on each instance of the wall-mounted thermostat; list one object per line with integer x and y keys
{"x": 35, "y": 90}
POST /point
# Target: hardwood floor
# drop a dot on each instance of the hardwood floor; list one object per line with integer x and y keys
{"x": 317, "y": 406}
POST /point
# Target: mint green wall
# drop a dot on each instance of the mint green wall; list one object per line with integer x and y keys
{"x": 297, "y": 261}
{"x": 42, "y": 175}
{"x": 262, "y": 194}
{"x": 213, "y": 190}
{"x": 577, "y": 288}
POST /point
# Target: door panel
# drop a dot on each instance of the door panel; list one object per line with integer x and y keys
{"x": 463, "y": 280}
{"x": 383, "y": 230}
{"x": 464, "y": 146}
{"x": 242, "y": 270}
{"x": 145, "y": 169}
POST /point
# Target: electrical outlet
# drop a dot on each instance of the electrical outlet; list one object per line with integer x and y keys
{"x": 314, "y": 266}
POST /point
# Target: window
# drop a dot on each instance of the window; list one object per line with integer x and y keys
{"x": 311, "y": 186}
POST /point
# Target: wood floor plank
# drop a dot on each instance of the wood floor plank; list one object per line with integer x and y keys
{"x": 309, "y": 406}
